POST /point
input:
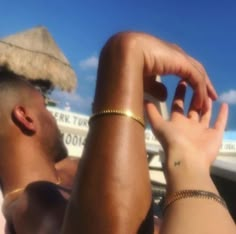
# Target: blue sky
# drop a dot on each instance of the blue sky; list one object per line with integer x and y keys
{"x": 204, "y": 29}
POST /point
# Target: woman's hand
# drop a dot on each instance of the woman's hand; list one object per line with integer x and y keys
{"x": 188, "y": 138}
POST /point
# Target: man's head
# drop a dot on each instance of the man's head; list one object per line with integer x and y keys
{"x": 23, "y": 115}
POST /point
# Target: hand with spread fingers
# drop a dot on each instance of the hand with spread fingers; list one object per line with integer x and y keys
{"x": 191, "y": 145}
{"x": 187, "y": 134}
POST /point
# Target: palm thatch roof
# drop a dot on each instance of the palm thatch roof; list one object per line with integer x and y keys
{"x": 35, "y": 55}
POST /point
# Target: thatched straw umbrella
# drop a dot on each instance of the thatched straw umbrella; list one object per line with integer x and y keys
{"x": 35, "y": 55}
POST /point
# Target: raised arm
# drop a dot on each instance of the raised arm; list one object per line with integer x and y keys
{"x": 191, "y": 145}
{"x": 112, "y": 191}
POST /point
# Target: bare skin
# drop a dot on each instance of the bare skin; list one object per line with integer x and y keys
{"x": 66, "y": 169}
{"x": 34, "y": 202}
{"x": 106, "y": 181}
{"x": 36, "y": 197}
{"x": 112, "y": 188}
{"x": 187, "y": 166}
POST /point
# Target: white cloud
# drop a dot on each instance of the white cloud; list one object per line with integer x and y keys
{"x": 89, "y": 63}
{"x": 228, "y": 97}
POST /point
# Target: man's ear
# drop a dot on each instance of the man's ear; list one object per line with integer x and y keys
{"x": 24, "y": 119}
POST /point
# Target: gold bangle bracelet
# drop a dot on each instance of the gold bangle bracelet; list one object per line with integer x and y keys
{"x": 126, "y": 113}
{"x": 199, "y": 194}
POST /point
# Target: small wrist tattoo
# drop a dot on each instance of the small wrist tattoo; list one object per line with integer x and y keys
{"x": 177, "y": 163}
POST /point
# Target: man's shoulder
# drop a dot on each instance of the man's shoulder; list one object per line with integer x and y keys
{"x": 40, "y": 207}
{"x": 45, "y": 192}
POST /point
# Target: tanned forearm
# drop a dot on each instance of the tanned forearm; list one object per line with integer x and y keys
{"x": 112, "y": 189}
{"x": 114, "y": 164}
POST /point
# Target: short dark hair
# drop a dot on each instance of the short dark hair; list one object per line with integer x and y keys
{"x": 14, "y": 85}
{"x": 7, "y": 76}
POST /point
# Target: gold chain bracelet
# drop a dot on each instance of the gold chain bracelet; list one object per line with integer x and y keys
{"x": 201, "y": 194}
{"x": 126, "y": 113}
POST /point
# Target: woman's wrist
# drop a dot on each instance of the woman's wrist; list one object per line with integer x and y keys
{"x": 185, "y": 158}
{"x": 189, "y": 180}
{"x": 187, "y": 171}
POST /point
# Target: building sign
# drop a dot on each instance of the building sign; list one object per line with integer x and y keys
{"x": 74, "y": 143}
{"x": 75, "y": 140}
{"x": 69, "y": 119}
